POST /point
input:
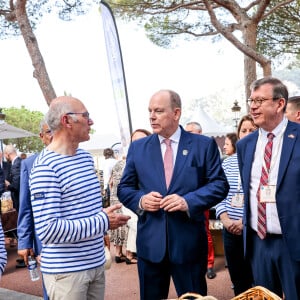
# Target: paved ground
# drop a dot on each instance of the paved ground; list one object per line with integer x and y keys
{"x": 121, "y": 282}
{"x": 6, "y": 294}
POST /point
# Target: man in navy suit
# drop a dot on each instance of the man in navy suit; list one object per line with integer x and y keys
{"x": 2, "y": 182}
{"x": 171, "y": 235}
{"x": 275, "y": 255}
{"x": 28, "y": 241}
{"x": 12, "y": 182}
{"x": 5, "y": 166}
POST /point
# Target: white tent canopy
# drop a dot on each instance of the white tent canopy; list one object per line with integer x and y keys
{"x": 99, "y": 142}
{"x": 209, "y": 126}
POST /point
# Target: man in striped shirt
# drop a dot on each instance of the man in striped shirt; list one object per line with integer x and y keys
{"x": 3, "y": 254}
{"x": 67, "y": 207}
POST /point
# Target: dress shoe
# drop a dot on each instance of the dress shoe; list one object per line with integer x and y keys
{"x": 21, "y": 264}
{"x": 130, "y": 261}
{"x": 120, "y": 259}
{"x": 211, "y": 274}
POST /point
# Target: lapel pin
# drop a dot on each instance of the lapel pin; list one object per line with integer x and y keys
{"x": 185, "y": 152}
{"x": 291, "y": 136}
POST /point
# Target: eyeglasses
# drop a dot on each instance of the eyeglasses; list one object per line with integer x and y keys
{"x": 258, "y": 102}
{"x": 86, "y": 114}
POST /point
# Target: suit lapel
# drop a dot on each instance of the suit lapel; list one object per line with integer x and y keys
{"x": 288, "y": 143}
{"x": 184, "y": 148}
{"x": 248, "y": 159}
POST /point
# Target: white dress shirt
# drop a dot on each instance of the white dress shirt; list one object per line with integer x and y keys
{"x": 273, "y": 225}
{"x": 174, "y": 144}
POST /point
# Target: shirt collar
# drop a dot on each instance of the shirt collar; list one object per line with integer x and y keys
{"x": 12, "y": 162}
{"x": 277, "y": 130}
{"x": 174, "y": 137}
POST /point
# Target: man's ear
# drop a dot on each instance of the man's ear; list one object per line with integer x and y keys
{"x": 281, "y": 103}
{"x": 65, "y": 121}
{"x": 177, "y": 113}
{"x": 298, "y": 116}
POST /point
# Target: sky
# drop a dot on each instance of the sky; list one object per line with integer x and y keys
{"x": 75, "y": 57}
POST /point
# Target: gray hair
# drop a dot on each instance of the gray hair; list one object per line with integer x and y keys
{"x": 58, "y": 108}
{"x": 42, "y": 123}
{"x": 175, "y": 99}
{"x": 9, "y": 149}
{"x": 195, "y": 124}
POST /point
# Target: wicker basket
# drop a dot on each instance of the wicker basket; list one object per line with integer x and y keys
{"x": 188, "y": 296}
{"x": 257, "y": 293}
{"x": 194, "y": 296}
{"x": 6, "y": 205}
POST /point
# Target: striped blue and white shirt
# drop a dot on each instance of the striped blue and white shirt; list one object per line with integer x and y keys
{"x": 3, "y": 254}
{"x": 67, "y": 210}
{"x": 231, "y": 169}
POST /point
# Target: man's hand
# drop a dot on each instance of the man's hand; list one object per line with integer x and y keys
{"x": 233, "y": 226}
{"x": 24, "y": 253}
{"x": 151, "y": 201}
{"x": 115, "y": 219}
{"x": 237, "y": 227}
{"x": 173, "y": 202}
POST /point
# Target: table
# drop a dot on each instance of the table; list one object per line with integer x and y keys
{"x": 9, "y": 220}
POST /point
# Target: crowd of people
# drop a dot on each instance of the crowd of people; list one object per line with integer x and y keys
{"x": 160, "y": 195}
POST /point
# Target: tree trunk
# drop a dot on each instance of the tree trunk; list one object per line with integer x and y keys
{"x": 249, "y": 74}
{"x": 267, "y": 68}
{"x": 251, "y": 57}
{"x": 40, "y": 72}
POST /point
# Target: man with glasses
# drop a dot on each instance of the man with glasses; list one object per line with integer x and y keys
{"x": 67, "y": 207}
{"x": 269, "y": 162}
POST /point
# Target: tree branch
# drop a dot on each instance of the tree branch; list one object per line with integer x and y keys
{"x": 277, "y": 7}
{"x": 261, "y": 8}
{"x": 40, "y": 72}
{"x": 9, "y": 15}
{"x": 230, "y": 37}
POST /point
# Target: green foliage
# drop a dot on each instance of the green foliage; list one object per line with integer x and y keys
{"x": 66, "y": 10}
{"x": 27, "y": 120}
{"x": 291, "y": 75}
{"x": 167, "y": 21}
{"x": 295, "y": 63}
{"x": 279, "y": 33}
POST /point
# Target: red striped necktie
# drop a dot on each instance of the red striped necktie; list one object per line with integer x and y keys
{"x": 261, "y": 206}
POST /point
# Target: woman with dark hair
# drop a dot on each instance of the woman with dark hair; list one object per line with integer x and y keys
{"x": 230, "y": 141}
{"x": 230, "y": 212}
{"x": 125, "y": 235}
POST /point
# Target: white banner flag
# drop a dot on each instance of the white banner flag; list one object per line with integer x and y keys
{"x": 116, "y": 67}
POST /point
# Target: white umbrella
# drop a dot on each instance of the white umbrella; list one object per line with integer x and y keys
{"x": 11, "y": 132}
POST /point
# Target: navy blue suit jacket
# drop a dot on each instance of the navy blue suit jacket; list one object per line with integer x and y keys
{"x": 27, "y": 237}
{"x": 14, "y": 179}
{"x": 287, "y": 188}
{"x": 197, "y": 176}
{"x": 6, "y": 169}
{"x": 2, "y": 181}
